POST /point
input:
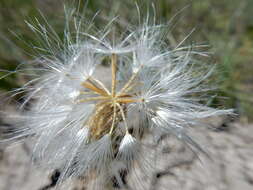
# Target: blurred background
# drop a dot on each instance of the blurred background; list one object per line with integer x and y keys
{"x": 225, "y": 25}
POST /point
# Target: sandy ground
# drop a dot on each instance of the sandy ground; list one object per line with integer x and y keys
{"x": 230, "y": 166}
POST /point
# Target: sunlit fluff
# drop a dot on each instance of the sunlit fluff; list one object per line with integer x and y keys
{"x": 84, "y": 126}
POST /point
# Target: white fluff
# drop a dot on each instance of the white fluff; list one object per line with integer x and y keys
{"x": 163, "y": 95}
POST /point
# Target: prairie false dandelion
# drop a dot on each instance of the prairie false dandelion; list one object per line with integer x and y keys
{"x": 83, "y": 125}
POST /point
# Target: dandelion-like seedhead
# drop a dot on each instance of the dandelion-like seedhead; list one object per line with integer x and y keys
{"x": 86, "y": 126}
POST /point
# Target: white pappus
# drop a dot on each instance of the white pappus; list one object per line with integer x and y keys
{"x": 83, "y": 125}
